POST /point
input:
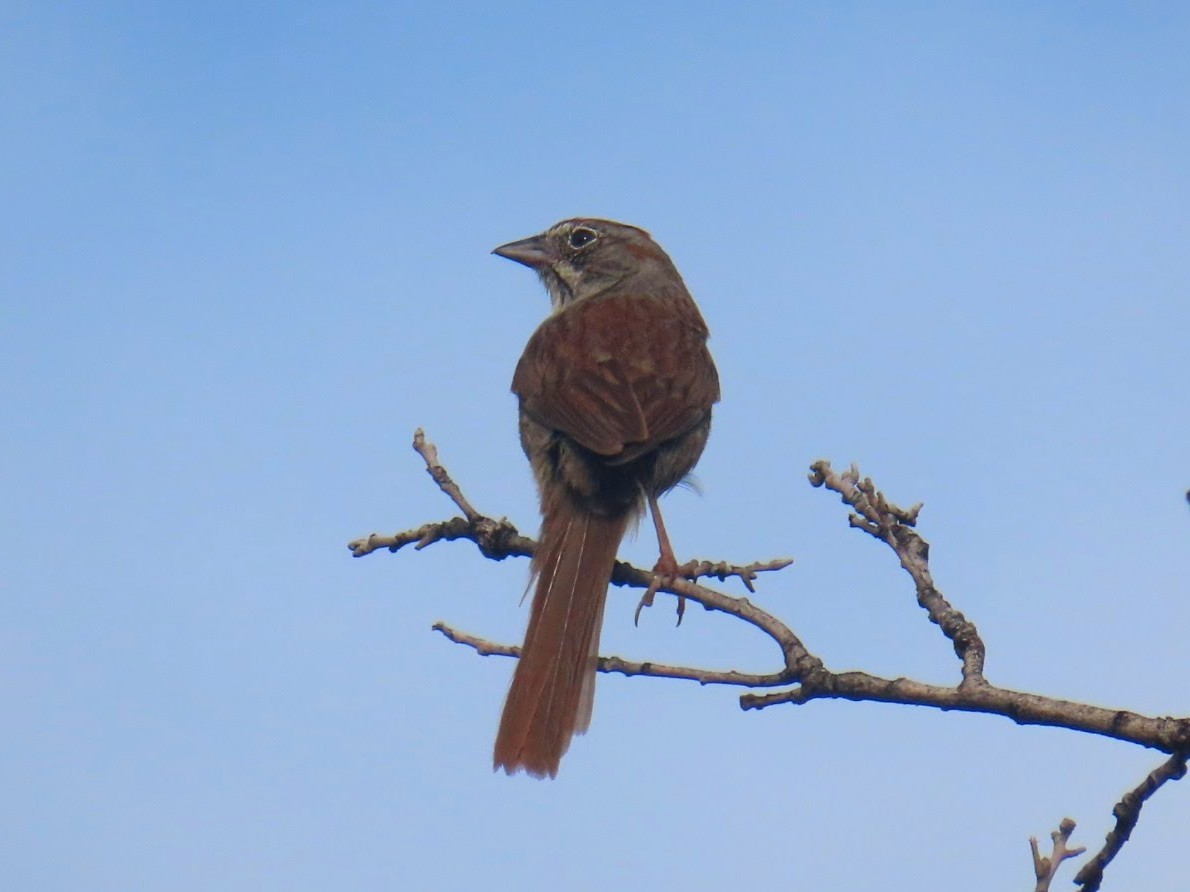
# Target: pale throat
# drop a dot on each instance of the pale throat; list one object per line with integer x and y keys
{"x": 562, "y": 282}
{"x": 567, "y": 285}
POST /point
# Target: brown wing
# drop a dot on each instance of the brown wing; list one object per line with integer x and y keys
{"x": 619, "y": 373}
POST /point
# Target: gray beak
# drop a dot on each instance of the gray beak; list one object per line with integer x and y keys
{"x": 532, "y": 252}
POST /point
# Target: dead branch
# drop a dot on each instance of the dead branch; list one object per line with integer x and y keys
{"x": 811, "y": 680}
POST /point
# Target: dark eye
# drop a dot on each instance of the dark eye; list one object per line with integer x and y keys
{"x": 582, "y": 237}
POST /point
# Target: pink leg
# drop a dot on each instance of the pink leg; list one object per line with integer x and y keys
{"x": 666, "y": 568}
{"x": 667, "y": 563}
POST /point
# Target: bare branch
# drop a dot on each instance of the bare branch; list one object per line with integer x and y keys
{"x": 434, "y": 468}
{"x": 497, "y": 539}
{"x": 721, "y": 570}
{"x": 481, "y": 646}
{"x": 881, "y": 519}
{"x": 696, "y": 569}
{"x": 1127, "y": 813}
{"x": 1046, "y": 868}
{"x": 1165, "y": 734}
{"x": 620, "y": 666}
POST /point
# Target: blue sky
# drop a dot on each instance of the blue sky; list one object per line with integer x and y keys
{"x": 247, "y": 254}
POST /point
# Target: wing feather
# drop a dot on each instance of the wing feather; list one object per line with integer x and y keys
{"x": 620, "y": 373}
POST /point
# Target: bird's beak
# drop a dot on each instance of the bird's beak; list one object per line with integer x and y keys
{"x": 532, "y": 252}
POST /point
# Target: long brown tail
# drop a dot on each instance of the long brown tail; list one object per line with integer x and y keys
{"x": 553, "y": 687}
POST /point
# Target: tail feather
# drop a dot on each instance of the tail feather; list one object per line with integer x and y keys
{"x": 553, "y": 686}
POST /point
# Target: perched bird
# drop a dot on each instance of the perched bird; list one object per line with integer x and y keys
{"x": 616, "y": 388}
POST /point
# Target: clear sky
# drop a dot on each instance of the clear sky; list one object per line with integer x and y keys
{"x": 245, "y": 254}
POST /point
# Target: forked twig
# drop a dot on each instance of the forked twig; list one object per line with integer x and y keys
{"x": 1045, "y": 868}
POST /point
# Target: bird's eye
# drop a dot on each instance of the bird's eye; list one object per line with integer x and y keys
{"x": 582, "y": 237}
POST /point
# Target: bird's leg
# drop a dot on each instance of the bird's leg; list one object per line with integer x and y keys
{"x": 666, "y": 568}
{"x": 667, "y": 564}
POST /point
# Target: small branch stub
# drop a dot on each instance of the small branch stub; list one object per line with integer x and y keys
{"x": 1046, "y": 868}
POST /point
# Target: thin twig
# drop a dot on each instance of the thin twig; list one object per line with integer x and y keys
{"x": 721, "y": 570}
{"x": 434, "y": 468}
{"x": 1127, "y": 813}
{"x": 497, "y": 539}
{"x": 883, "y": 520}
{"x": 621, "y": 666}
{"x": 1046, "y": 868}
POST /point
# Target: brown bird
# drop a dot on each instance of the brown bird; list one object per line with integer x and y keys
{"x": 615, "y": 390}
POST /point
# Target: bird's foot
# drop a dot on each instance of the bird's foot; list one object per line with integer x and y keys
{"x": 665, "y": 572}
